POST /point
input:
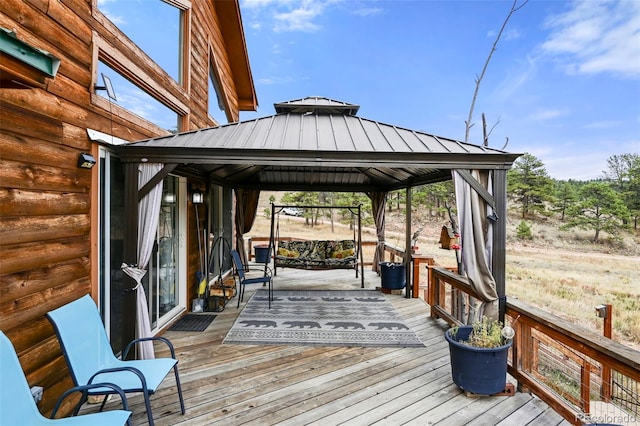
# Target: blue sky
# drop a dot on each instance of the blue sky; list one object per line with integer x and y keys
{"x": 563, "y": 85}
{"x": 564, "y": 82}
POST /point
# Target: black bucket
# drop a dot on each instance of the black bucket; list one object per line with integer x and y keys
{"x": 393, "y": 275}
{"x": 262, "y": 254}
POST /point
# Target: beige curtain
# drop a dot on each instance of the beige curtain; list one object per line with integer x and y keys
{"x": 148, "y": 218}
{"x": 378, "y": 205}
{"x": 246, "y": 210}
{"x": 477, "y": 244}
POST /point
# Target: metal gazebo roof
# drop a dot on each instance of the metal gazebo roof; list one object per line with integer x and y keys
{"x": 316, "y": 144}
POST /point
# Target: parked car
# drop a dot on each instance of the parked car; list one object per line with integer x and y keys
{"x": 292, "y": 211}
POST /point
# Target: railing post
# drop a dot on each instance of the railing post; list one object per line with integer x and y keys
{"x": 416, "y": 277}
{"x": 528, "y": 352}
{"x": 585, "y": 386}
{"x": 605, "y": 386}
{"x": 433, "y": 293}
{"x": 455, "y": 303}
{"x": 442, "y": 293}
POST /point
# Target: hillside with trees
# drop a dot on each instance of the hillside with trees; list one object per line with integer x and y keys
{"x": 608, "y": 207}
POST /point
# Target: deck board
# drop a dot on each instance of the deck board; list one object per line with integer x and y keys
{"x": 300, "y": 385}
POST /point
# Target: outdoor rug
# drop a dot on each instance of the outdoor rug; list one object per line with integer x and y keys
{"x": 192, "y": 322}
{"x": 321, "y": 318}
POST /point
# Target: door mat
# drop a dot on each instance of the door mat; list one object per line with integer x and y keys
{"x": 321, "y": 318}
{"x": 192, "y": 322}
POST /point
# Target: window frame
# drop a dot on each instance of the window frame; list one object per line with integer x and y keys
{"x": 214, "y": 78}
{"x": 153, "y": 80}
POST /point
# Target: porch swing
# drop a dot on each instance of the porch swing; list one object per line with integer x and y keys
{"x": 317, "y": 254}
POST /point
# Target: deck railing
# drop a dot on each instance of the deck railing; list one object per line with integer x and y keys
{"x": 583, "y": 376}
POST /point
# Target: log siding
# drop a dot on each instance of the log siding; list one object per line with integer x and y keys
{"x": 48, "y": 206}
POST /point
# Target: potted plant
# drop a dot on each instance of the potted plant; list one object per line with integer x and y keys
{"x": 479, "y": 356}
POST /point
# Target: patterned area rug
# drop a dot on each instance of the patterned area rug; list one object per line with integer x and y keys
{"x": 321, "y": 318}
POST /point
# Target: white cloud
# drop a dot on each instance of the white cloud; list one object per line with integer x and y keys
{"x": 368, "y": 11}
{"x": 508, "y": 34}
{"x": 278, "y": 80}
{"x": 597, "y": 36}
{"x": 254, "y": 4}
{"x": 289, "y": 15}
{"x": 300, "y": 19}
{"x": 119, "y": 21}
{"x": 547, "y": 114}
{"x": 606, "y": 124}
{"x": 520, "y": 74}
{"x": 577, "y": 165}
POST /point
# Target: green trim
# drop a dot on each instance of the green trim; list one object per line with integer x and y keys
{"x": 39, "y": 59}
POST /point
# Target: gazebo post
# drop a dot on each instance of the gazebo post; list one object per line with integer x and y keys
{"x": 407, "y": 249}
{"x": 500, "y": 238}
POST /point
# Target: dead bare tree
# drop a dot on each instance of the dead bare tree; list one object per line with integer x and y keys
{"x": 468, "y": 124}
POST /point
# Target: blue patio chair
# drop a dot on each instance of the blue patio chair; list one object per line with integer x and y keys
{"x": 17, "y": 406}
{"x": 90, "y": 358}
{"x": 243, "y": 280}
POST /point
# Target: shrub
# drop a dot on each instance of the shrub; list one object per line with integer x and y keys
{"x": 523, "y": 232}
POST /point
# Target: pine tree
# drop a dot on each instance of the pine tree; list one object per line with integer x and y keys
{"x": 565, "y": 196}
{"x": 599, "y": 208}
{"x": 624, "y": 175}
{"x": 529, "y": 184}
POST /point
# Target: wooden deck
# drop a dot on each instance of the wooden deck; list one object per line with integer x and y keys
{"x": 296, "y": 385}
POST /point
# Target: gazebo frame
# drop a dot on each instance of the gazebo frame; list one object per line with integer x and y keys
{"x": 319, "y": 144}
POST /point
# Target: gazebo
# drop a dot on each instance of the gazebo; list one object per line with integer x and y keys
{"x": 320, "y": 144}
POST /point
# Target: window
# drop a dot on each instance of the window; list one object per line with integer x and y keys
{"x": 161, "y": 37}
{"x": 132, "y": 98}
{"x": 148, "y": 77}
{"x": 217, "y": 106}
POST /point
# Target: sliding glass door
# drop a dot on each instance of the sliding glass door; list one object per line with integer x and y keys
{"x": 166, "y": 281}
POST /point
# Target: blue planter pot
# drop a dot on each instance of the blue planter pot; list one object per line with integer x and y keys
{"x": 393, "y": 275}
{"x": 481, "y": 371}
{"x": 261, "y": 254}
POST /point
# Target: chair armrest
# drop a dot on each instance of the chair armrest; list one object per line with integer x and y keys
{"x": 84, "y": 388}
{"x": 133, "y": 370}
{"x": 144, "y": 339}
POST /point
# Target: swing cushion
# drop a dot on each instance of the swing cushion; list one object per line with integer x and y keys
{"x": 316, "y": 254}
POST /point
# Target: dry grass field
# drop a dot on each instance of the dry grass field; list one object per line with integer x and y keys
{"x": 559, "y": 271}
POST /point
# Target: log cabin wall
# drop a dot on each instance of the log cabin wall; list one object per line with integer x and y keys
{"x": 48, "y": 206}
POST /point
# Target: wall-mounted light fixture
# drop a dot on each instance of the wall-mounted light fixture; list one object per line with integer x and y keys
{"x": 197, "y": 197}
{"x": 169, "y": 198}
{"x": 86, "y": 161}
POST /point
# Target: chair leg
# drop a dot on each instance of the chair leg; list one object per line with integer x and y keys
{"x": 240, "y": 294}
{"x": 175, "y": 370}
{"x": 104, "y": 401}
{"x": 147, "y": 403}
